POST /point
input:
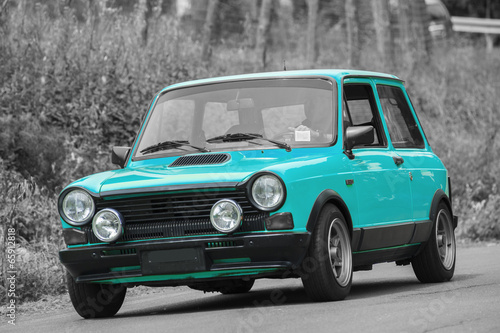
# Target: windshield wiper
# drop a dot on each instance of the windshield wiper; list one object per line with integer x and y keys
{"x": 248, "y": 136}
{"x": 171, "y": 144}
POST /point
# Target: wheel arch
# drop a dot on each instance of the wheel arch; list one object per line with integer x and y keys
{"x": 328, "y": 196}
{"x": 440, "y": 196}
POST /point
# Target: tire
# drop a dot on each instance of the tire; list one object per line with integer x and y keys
{"x": 436, "y": 262}
{"x": 327, "y": 269}
{"x": 237, "y": 287}
{"x": 94, "y": 300}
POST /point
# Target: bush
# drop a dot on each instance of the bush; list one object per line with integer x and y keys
{"x": 32, "y": 150}
{"x": 30, "y": 210}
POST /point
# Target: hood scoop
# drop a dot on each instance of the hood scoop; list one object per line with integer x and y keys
{"x": 204, "y": 159}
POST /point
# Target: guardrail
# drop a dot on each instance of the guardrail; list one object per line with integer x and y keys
{"x": 477, "y": 25}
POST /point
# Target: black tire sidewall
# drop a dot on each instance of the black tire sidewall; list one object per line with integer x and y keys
{"x": 433, "y": 247}
{"x": 93, "y": 300}
{"x": 427, "y": 264}
{"x": 318, "y": 278}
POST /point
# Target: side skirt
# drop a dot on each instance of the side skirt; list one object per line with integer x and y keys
{"x": 385, "y": 243}
{"x": 370, "y": 257}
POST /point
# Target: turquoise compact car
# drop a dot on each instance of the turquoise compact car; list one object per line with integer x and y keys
{"x": 295, "y": 174}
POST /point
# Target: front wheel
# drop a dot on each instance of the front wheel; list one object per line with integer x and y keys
{"x": 327, "y": 270}
{"x": 94, "y": 300}
{"x": 436, "y": 263}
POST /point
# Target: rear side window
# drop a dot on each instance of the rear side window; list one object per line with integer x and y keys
{"x": 402, "y": 126}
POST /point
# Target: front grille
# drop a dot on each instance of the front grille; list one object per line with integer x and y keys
{"x": 174, "y": 207}
{"x": 176, "y": 215}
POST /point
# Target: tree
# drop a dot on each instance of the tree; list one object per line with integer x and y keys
{"x": 285, "y": 23}
{"x": 198, "y": 13}
{"x": 312, "y": 23}
{"x": 207, "y": 29}
{"x": 489, "y": 37}
{"x": 420, "y": 28}
{"x": 382, "y": 23}
{"x": 251, "y": 22}
{"x": 415, "y": 40}
{"x": 263, "y": 32}
{"x": 352, "y": 25}
{"x": 3, "y": 10}
{"x": 404, "y": 22}
{"x": 145, "y": 11}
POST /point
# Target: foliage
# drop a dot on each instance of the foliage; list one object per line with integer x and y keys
{"x": 481, "y": 220}
{"x": 32, "y": 150}
{"x": 29, "y": 210}
{"x": 72, "y": 84}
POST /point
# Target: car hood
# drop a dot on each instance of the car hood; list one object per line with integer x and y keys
{"x": 156, "y": 175}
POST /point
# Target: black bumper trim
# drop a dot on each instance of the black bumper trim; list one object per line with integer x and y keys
{"x": 259, "y": 251}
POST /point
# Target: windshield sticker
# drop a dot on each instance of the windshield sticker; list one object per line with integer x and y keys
{"x": 302, "y": 135}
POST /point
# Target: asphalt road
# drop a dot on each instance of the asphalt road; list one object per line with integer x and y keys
{"x": 386, "y": 299}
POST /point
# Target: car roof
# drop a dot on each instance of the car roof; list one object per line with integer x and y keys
{"x": 337, "y": 74}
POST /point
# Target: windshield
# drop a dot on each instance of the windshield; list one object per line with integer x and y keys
{"x": 278, "y": 114}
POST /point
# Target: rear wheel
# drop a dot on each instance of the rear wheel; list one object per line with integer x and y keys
{"x": 94, "y": 300}
{"x": 327, "y": 270}
{"x": 436, "y": 263}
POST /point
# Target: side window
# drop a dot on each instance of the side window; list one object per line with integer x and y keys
{"x": 402, "y": 126}
{"x": 360, "y": 109}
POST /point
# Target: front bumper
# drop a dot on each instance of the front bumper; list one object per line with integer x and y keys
{"x": 183, "y": 261}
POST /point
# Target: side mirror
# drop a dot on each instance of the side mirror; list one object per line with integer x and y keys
{"x": 358, "y": 135}
{"x": 119, "y": 156}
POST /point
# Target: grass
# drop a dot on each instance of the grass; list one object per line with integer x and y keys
{"x": 70, "y": 90}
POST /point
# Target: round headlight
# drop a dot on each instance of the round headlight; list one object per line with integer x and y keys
{"x": 108, "y": 225}
{"x": 268, "y": 192}
{"x": 226, "y": 216}
{"x": 77, "y": 207}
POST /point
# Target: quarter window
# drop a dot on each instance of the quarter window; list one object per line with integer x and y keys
{"x": 402, "y": 126}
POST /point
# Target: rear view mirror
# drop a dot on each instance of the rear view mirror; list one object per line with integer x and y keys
{"x": 238, "y": 104}
{"x": 358, "y": 135}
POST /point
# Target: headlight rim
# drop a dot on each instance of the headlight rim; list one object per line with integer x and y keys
{"x": 120, "y": 219}
{"x": 60, "y": 206}
{"x": 250, "y": 192}
{"x": 237, "y": 226}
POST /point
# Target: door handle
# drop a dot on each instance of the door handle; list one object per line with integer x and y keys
{"x": 398, "y": 160}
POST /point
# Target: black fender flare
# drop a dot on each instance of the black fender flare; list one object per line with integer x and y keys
{"x": 438, "y": 197}
{"x": 330, "y": 196}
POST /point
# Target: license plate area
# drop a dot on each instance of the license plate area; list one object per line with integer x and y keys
{"x": 173, "y": 261}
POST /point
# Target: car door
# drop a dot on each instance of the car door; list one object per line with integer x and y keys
{"x": 382, "y": 184}
{"x": 426, "y": 171}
